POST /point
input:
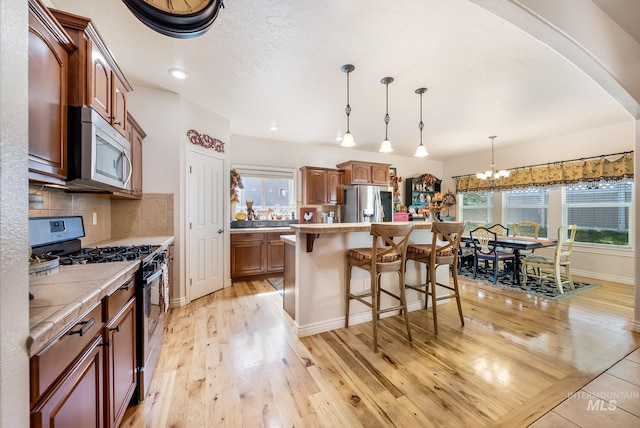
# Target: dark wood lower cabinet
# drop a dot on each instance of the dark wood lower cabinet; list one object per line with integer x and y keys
{"x": 121, "y": 362}
{"x": 87, "y": 375}
{"x": 77, "y": 399}
{"x": 257, "y": 254}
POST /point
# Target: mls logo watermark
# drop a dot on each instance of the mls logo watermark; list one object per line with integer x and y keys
{"x": 603, "y": 401}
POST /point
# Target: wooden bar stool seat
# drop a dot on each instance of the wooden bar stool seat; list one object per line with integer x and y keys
{"x": 443, "y": 250}
{"x": 387, "y": 253}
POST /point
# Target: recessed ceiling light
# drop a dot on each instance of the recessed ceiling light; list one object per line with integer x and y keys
{"x": 338, "y": 137}
{"x": 273, "y": 128}
{"x": 178, "y": 74}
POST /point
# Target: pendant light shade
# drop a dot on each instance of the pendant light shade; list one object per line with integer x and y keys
{"x": 421, "y": 151}
{"x": 386, "y": 144}
{"x": 347, "y": 139}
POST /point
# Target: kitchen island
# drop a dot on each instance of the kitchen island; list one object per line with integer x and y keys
{"x": 319, "y": 271}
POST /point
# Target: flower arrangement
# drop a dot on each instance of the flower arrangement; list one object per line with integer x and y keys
{"x": 236, "y": 183}
{"x": 396, "y": 192}
{"x": 429, "y": 178}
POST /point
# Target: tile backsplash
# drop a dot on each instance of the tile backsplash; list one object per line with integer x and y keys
{"x": 115, "y": 218}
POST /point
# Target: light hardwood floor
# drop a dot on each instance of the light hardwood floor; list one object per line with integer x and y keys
{"x": 231, "y": 359}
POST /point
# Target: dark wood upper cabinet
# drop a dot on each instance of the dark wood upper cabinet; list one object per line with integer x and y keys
{"x": 322, "y": 186}
{"x": 49, "y": 50}
{"x": 95, "y": 78}
{"x": 356, "y": 172}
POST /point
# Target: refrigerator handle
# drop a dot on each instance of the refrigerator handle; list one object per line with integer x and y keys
{"x": 378, "y": 204}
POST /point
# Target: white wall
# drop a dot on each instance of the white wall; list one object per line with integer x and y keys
{"x": 14, "y": 233}
{"x": 166, "y": 117}
{"x": 275, "y": 153}
{"x": 601, "y": 263}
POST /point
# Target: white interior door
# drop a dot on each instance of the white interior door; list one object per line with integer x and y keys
{"x": 206, "y": 222}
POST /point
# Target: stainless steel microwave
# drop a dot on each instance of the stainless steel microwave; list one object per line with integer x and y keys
{"x": 99, "y": 156}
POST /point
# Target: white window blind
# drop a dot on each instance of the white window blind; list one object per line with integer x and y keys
{"x": 602, "y": 212}
{"x": 530, "y": 204}
{"x": 268, "y": 187}
{"x": 476, "y": 209}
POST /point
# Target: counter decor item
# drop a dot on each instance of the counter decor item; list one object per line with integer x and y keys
{"x": 448, "y": 200}
{"x": 44, "y": 265}
{"x": 307, "y": 215}
{"x": 241, "y": 216}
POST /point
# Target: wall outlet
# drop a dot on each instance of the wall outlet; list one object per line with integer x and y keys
{"x": 95, "y": 218}
{"x": 367, "y": 284}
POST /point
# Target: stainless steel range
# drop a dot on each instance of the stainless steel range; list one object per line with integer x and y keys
{"x": 60, "y": 236}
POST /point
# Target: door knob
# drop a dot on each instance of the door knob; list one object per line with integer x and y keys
{"x": 220, "y": 230}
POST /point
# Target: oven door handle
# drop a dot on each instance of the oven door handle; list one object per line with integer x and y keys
{"x": 153, "y": 277}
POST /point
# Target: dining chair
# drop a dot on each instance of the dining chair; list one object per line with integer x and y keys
{"x": 551, "y": 266}
{"x": 485, "y": 245}
{"x": 499, "y": 229}
{"x": 443, "y": 251}
{"x": 387, "y": 253}
{"x": 525, "y": 228}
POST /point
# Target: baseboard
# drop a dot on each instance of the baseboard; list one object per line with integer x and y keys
{"x": 359, "y": 318}
{"x": 635, "y": 326}
{"x": 178, "y": 303}
{"x": 604, "y": 277}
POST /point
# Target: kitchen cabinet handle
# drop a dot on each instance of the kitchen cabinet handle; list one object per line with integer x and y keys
{"x": 127, "y": 286}
{"x": 117, "y": 329}
{"x": 85, "y": 327}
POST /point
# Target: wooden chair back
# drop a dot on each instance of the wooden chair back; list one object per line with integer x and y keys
{"x": 499, "y": 229}
{"x": 446, "y": 242}
{"x": 566, "y": 237}
{"x": 525, "y": 228}
{"x": 390, "y": 241}
{"x": 483, "y": 240}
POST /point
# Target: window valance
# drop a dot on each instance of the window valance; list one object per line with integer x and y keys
{"x": 553, "y": 174}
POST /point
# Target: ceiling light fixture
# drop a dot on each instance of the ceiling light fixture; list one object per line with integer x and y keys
{"x": 386, "y": 144}
{"x": 421, "y": 151}
{"x": 347, "y": 140}
{"x": 492, "y": 175}
{"x": 273, "y": 128}
{"x": 178, "y": 74}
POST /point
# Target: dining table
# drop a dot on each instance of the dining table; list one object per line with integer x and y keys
{"x": 517, "y": 244}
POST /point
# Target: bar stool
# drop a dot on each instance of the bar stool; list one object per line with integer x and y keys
{"x": 386, "y": 254}
{"x": 446, "y": 241}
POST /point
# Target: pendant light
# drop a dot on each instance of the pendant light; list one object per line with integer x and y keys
{"x": 347, "y": 139}
{"x": 421, "y": 151}
{"x": 386, "y": 144}
{"x": 492, "y": 175}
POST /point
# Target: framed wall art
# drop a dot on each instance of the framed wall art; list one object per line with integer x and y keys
{"x": 307, "y": 215}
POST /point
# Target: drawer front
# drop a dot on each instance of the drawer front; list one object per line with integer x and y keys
{"x": 49, "y": 364}
{"x": 243, "y": 237}
{"x": 120, "y": 296}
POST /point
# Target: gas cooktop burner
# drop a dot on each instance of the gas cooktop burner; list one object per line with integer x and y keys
{"x": 108, "y": 254}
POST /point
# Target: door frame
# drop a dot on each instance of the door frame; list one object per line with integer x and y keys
{"x": 226, "y": 262}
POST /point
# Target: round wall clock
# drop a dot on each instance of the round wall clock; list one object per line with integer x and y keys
{"x": 182, "y": 19}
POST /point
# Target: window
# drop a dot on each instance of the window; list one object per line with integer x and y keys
{"x": 602, "y": 212}
{"x": 529, "y": 204}
{"x": 476, "y": 209}
{"x": 268, "y": 188}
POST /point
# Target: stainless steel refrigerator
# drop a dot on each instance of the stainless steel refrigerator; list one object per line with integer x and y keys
{"x": 364, "y": 203}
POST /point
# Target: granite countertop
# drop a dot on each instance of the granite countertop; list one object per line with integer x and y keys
{"x": 62, "y": 298}
{"x": 321, "y": 228}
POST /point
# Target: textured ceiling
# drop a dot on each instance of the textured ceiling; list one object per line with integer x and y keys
{"x": 278, "y": 62}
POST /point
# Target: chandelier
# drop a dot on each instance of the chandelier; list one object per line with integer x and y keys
{"x": 492, "y": 174}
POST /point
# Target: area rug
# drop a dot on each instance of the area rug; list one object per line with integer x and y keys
{"x": 545, "y": 288}
{"x": 277, "y": 283}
